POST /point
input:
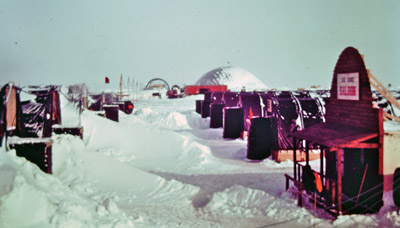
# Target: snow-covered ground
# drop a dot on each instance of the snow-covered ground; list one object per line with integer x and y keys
{"x": 162, "y": 166}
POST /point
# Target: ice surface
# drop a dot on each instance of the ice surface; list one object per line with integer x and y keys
{"x": 162, "y": 166}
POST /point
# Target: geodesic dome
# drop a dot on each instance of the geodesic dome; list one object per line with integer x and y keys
{"x": 235, "y": 78}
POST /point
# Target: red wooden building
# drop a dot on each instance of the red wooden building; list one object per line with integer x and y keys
{"x": 350, "y": 140}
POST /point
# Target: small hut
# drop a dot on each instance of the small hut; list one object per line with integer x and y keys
{"x": 350, "y": 140}
{"x": 14, "y": 120}
{"x": 43, "y": 112}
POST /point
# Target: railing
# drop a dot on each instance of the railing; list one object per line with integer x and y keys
{"x": 305, "y": 181}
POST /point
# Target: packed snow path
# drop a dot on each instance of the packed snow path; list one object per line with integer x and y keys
{"x": 162, "y": 166}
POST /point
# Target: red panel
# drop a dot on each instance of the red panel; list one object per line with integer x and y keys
{"x": 195, "y": 89}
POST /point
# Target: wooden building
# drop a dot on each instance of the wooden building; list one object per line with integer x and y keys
{"x": 351, "y": 141}
{"x": 15, "y": 118}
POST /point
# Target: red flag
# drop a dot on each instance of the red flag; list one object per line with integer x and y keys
{"x": 107, "y": 80}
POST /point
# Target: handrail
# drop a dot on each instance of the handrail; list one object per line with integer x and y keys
{"x": 329, "y": 193}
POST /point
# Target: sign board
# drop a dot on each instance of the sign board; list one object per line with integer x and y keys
{"x": 348, "y": 86}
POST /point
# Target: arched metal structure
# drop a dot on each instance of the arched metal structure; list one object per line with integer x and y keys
{"x": 175, "y": 87}
{"x": 150, "y": 83}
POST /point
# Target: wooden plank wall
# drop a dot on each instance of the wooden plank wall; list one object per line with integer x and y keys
{"x": 11, "y": 108}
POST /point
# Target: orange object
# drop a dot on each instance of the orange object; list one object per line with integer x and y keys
{"x": 250, "y": 113}
{"x": 318, "y": 182}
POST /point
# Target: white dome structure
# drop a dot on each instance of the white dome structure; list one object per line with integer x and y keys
{"x": 235, "y": 78}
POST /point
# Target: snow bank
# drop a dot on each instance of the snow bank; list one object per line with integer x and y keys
{"x": 150, "y": 139}
{"x": 165, "y": 120}
{"x": 242, "y": 201}
{"x": 30, "y": 198}
{"x": 107, "y": 175}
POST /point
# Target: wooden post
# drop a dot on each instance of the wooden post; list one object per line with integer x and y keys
{"x": 383, "y": 90}
{"x": 120, "y": 88}
{"x": 388, "y": 116}
{"x": 333, "y": 192}
{"x": 287, "y": 183}
{"x": 294, "y": 158}
{"x": 298, "y": 172}
{"x": 103, "y": 100}
{"x": 381, "y": 135}
{"x": 129, "y": 88}
{"x": 339, "y": 155}
{"x": 362, "y": 183}
{"x": 321, "y": 160}
{"x": 300, "y": 198}
{"x": 84, "y": 97}
{"x": 307, "y": 153}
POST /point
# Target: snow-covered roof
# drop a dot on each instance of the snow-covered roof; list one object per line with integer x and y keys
{"x": 235, "y": 78}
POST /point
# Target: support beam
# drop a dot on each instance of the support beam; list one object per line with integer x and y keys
{"x": 385, "y": 118}
{"x": 120, "y": 88}
{"x": 339, "y": 155}
{"x": 294, "y": 158}
{"x": 383, "y": 90}
{"x": 381, "y": 140}
{"x": 103, "y": 100}
{"x": 358, "y": 145}
{"x": 85, "y": 99}
{"x": 307, "y": 153}
{"x": 388, "y": 116}
{"x": 321, "y": 160}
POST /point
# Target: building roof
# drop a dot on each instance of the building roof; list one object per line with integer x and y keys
{"x": 335, "y": 135}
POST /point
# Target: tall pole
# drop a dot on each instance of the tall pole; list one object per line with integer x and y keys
{"x": 84, "y": 97}
{"x": 294, "y": 158}
{"x": 120, "y": 88}
{"x": 133, "y": 89}
{"x": 128, "y": 87}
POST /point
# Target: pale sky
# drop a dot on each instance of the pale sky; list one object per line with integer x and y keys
{"x": 284, "y": 43}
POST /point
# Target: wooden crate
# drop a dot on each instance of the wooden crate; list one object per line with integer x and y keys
{"x": 35, "y": 150}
